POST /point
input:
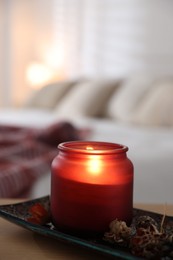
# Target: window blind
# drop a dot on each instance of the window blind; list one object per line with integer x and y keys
{"x": 117, "y": 37}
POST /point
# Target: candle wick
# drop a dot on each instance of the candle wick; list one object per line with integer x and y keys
{"x": 89, "y": 148}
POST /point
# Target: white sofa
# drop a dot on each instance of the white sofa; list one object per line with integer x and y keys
{"x": 137, "y": 112}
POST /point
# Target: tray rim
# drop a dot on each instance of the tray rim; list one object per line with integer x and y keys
{"x": 106, "y": 249}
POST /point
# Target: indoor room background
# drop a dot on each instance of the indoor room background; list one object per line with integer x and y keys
{"x": 52, "y": 40}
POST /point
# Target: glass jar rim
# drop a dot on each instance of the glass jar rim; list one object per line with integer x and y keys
{"x": 92, "y": 147}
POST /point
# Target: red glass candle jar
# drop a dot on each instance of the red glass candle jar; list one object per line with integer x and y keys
{"x": 91, "y": 185}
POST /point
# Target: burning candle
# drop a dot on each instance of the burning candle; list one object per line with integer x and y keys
{"x": 91, "y": 185}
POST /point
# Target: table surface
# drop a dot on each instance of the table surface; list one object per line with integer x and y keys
{"x": 17, "y": 243}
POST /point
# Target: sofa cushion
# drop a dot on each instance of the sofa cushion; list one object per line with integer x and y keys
{"x": 145, "y": 101}
{"x": 48, "y": 96}
{"x": 126, "y": 99}
{"x": 157, "y": 106}
{"x": 86, "y": 99}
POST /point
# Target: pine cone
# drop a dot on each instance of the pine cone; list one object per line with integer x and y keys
{"x": 147, "y": 222}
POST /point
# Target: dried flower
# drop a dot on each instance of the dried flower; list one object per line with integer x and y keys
{"x": 143, "y": 237}
{"x": 38, "y": 214}
{"x": 119, "y": 232}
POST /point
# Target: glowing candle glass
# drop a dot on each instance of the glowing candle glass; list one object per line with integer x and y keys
{"x": 91, "y": 185}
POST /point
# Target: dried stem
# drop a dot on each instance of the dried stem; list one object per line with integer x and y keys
{"x": 163, "y": 218}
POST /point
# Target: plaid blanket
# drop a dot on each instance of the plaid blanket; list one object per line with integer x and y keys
{"x": 26, "y": 154}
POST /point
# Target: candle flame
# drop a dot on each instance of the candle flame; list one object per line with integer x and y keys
{"x": 94, "y": 166}
{"x": 94, "y": 163}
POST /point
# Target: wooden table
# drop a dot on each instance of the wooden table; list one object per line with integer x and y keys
{"x": 16, "y": 243}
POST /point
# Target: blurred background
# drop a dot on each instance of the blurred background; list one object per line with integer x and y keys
{"x": 52, "y": 40}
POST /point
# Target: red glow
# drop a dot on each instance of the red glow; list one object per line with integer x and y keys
{"x": 91, "y": 186}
